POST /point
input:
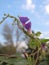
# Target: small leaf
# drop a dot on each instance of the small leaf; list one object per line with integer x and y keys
{"x": 38, "y": 33}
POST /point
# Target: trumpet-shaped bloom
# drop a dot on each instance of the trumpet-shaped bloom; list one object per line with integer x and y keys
{"x": 25, "y": 22}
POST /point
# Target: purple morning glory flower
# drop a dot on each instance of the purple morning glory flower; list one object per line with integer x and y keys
{"x": 43, "y": 45}
{"x": 25, "y": 22}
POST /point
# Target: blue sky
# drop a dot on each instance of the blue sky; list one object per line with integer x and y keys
{"x": 36, "y": 10}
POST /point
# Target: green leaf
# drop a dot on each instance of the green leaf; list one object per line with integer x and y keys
{"x": 33, "y": 43}
{"x": 38, "y": 33}
{"x": 44, "y": 40}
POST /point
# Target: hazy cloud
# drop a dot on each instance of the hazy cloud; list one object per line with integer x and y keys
{"x": 29, "y": 5}
{"x": 47, "y": 23}
{"x": 47, "y": 8}
{"x": 45, "y": 34}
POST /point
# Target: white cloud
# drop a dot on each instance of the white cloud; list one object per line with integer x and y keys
{"x": 47, "y": 8}
{"x": 45, "y": 35}
{"x": 29, "y": 5}
{"x": 47, "y": 23}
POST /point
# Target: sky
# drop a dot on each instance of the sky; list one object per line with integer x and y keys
{"x": 36, "y": 10}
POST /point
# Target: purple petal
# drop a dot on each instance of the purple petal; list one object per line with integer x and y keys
{"x": 43, "y": 46}
{"x": 23, "y": 19}
{"x": 28, "y": 26}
